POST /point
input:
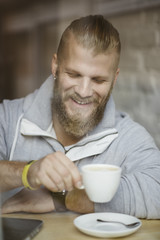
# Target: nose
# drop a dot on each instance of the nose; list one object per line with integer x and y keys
{"x": 84, "y": 87}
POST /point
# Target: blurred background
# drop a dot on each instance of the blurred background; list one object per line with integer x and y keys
{"x": 30, "y": 31}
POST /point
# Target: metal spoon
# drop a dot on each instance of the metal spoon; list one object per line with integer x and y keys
{"x": 130, "y": 225}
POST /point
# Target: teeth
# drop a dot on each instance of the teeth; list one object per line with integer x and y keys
{"x": 82, "y": 103}
{"x": 87, "y": 101}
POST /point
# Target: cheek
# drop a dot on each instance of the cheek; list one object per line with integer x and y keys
{"x": 65, "y": 83}
{"x": 65, "y": 88}
{"x": 103, "y": 91}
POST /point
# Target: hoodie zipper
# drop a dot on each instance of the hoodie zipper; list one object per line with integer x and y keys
{"x": 81, "y": 145}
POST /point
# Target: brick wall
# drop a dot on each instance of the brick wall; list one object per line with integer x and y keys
{"x": 138, "y": 87}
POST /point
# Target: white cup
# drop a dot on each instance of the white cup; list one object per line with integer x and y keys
{"x": 101, "y": 181}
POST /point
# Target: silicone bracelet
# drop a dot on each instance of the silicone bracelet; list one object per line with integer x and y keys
{"x": 24, "y": 175}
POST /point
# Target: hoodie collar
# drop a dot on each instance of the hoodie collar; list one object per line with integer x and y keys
{"x": 38, "y": 106}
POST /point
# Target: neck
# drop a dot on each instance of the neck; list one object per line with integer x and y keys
{"x": 64, "y": 138}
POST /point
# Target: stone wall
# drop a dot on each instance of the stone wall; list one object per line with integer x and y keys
{"x": 138, "y": 87}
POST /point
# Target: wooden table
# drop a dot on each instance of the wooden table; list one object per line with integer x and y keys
{"x": 59, "y": 226}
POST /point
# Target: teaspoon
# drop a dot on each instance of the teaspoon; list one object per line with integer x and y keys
{"x": 130, "y": 225}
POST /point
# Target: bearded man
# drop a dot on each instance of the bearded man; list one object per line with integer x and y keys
{"x": 71, "y": 121}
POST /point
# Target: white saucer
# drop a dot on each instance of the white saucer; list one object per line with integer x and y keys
{"x": 88, "y": 224}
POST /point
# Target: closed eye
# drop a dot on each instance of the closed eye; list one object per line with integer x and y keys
{"x": 99, "y": 81}
{"x": 73, "y": 75}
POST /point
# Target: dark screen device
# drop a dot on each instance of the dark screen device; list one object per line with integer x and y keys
{"x": 19, "y": 228}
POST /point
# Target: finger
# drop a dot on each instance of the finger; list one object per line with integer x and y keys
{"x": 45, "y": 174}
{"x": 66, "y": 178}
{"x": 62, "y": 176}
{"x": 68, "y": 183}
{"x": 52, "y": 176}
{"x": 73, "y": 172}
{"x": 60, "y": 170}
{"x": 47, "y": 181}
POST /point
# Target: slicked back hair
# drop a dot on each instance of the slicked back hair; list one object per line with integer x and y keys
{"x": 92, "y": 32}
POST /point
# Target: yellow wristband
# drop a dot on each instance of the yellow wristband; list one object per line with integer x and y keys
{"x": 25, "y": 173}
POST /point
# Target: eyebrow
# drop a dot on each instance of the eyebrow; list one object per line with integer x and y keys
{"x": 71, "y": 70}
{"x": 93, "y": 77}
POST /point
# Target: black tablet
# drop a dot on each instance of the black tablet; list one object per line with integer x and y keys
{"x": 20, "y": 229}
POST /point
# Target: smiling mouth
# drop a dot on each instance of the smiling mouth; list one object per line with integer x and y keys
{"x": 80, "y": 102}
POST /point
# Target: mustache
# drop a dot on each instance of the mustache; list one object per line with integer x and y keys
{"x": 85, "y": 100}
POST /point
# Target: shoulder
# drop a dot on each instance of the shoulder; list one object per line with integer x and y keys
{"x": 8, "y": 108}
{"x": 132, "y": 133}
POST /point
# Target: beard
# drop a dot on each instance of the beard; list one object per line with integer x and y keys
{"x": 75, "y": 124}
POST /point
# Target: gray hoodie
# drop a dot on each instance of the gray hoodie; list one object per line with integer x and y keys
{"x": 26, "y": 133}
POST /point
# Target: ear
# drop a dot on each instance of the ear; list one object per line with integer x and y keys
{"x": 54, "y": 64}
{"x": 116, "y": 76}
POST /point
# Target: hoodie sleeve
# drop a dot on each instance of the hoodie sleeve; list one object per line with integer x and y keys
{"x": 139, "y": 190}
{"x": 10, "y": 112}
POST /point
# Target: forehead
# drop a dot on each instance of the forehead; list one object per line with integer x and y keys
{"x": 76, "y": 56}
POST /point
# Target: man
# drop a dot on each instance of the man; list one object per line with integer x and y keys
{"x": 71, "y": 121}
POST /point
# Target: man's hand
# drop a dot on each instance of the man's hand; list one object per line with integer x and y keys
{"x": 56, "y": 172}
{"x": 39, "y": 201}
{"x": 78, "y": 201}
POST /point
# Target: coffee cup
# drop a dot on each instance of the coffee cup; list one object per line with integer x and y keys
{"x": 101, "y": 181}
